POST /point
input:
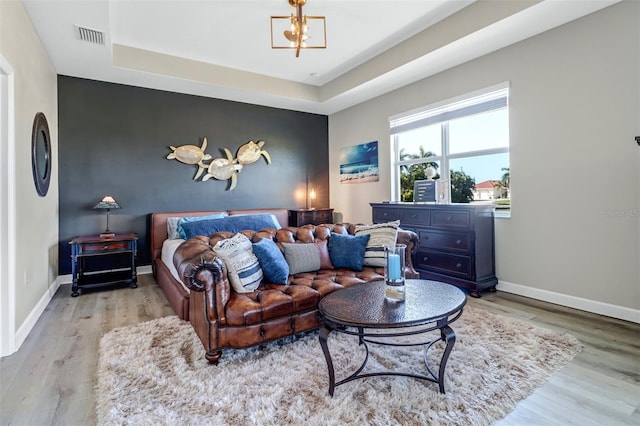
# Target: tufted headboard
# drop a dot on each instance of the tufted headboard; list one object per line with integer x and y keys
{"x": 159, "y": 223}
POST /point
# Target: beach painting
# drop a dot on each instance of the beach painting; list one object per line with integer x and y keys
{"x": 359, "y": 163}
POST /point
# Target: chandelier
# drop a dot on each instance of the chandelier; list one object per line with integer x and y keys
{"x": 298, "y": 31}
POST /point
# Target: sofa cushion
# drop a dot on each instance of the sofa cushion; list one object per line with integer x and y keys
{"x": 243, "y": 269}
{"x": 273, "y": 264}
{"x": 307, "y": 257}
{"x": 381, "y": 235}
{"x": 233, "y": 224}
{"x": 347, "y": 251}
{"x": 271, "y": 302}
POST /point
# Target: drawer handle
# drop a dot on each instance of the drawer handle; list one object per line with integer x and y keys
{"x": 385, "y": 214}
{"x": 106, "y": 247}
{"x": 449, "y": 218}
{"x": 459, "y": 242}
{"x": 425, "y": 259}
{"x": 414, "y": 216}
{"x": 458, "y": 265}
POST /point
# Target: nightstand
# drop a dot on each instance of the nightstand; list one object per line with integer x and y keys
{"x": 108, "y": 254}
{"x": 301, "y": 217}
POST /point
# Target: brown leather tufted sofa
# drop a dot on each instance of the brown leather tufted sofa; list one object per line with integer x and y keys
{"x": 223, "y": 318}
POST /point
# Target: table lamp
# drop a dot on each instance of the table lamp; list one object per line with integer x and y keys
{"x": 107, "y": 203}
{"x": 312, "y": 199}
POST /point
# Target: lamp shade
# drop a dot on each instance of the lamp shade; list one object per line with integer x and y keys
{"x": 107, "y": 203}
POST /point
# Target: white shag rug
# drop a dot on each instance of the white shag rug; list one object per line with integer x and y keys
{"x": 154, "y": 373}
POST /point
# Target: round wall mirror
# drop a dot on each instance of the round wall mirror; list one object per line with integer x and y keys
{"x": 41, "y": 154}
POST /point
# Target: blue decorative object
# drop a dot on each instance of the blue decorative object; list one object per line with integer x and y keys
{"x": 394, "y": 267}
{"x": 273, "y": 264}
{"x": 234, "y": 224}
{"x": 347, "y": 251}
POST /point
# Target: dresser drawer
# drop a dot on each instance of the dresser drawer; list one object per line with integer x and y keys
{"x": 323, "y": 217}
{"x": 450, "y": 219}
{"x": 385, "y": 214}
{"x": 445, "y": 241}
{"x": 104, "y": 247}
{"x": 415, "y": 216}
{"x": 444, "y": 263}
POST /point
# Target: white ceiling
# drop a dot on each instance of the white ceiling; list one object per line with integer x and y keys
{"x": 222, "y": 49}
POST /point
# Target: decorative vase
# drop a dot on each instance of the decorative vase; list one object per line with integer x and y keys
{"x": 394, "y": 261}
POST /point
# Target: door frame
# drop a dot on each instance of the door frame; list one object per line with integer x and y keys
{"x": 7, "y": 209}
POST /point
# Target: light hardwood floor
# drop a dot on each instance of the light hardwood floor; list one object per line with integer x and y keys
{"x": 50, "y": 380}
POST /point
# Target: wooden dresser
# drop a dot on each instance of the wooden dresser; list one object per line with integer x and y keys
{"x": 456, "y": 241}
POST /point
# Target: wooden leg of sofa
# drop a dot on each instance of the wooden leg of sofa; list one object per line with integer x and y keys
{"x": 213, "y": 357}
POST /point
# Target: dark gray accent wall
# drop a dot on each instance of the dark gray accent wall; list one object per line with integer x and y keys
{"x": 114, "y": 139}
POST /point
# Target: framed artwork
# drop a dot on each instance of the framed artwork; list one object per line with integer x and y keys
{"x": 359, "y": 163}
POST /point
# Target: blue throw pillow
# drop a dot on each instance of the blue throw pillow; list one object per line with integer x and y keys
{"x": 232, "y": 224}
{"x": 347, "y": 251}
{"x": 273, "y": 264}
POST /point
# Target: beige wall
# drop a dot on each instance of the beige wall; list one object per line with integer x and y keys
{"x": 36, "y": 217}
{"x": 574, "y": 112}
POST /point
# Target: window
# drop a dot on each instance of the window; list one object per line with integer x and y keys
{"x": 465, "y": 141}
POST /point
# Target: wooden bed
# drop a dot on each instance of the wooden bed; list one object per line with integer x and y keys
{"x": 174, "y": 291}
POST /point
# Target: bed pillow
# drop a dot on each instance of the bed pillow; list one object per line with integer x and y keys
{"x": 172, "y": 223}
{"x": 272, "y": 261}
{"x": 234, "y": 224}
{"x": 380, "y": 235}
{"x": 347, "y": 251}
{"x": 243, "y": 269}
{"x": 307, "y": 257}
{"x": 274, "y": 219}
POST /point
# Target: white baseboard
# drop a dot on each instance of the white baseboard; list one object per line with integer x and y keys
{"x": 28, "y": 324}
{"x": 25, "y": 328}
{"x": 601, "y": 308}
{"x": 146, "y": 269}
{"x": 140, "y": 270}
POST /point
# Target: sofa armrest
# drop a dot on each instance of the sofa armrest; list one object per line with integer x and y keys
{"x": 409, "y": 238}
{"x": 202, "y": 270}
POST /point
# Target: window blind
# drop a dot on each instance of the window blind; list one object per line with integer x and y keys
{"x": 475, "y": 105}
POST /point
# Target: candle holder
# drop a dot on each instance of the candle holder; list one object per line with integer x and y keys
{"x": 394, "y": 261}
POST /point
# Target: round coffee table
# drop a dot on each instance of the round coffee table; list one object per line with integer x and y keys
{"x": 363, "y": 311}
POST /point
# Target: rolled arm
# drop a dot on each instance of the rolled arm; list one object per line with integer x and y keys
{"x": 409, "y": 238}
{"x": 201, "y": 270}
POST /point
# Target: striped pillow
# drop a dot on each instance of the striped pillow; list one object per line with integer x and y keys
{"x": 380, "y": 235}
{"x": 243, "y": 269}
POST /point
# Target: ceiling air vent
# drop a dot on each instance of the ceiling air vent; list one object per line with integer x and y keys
{"x": 90, "y": 35}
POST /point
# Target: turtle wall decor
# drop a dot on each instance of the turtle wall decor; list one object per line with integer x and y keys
{"x": 219, "y": 168}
